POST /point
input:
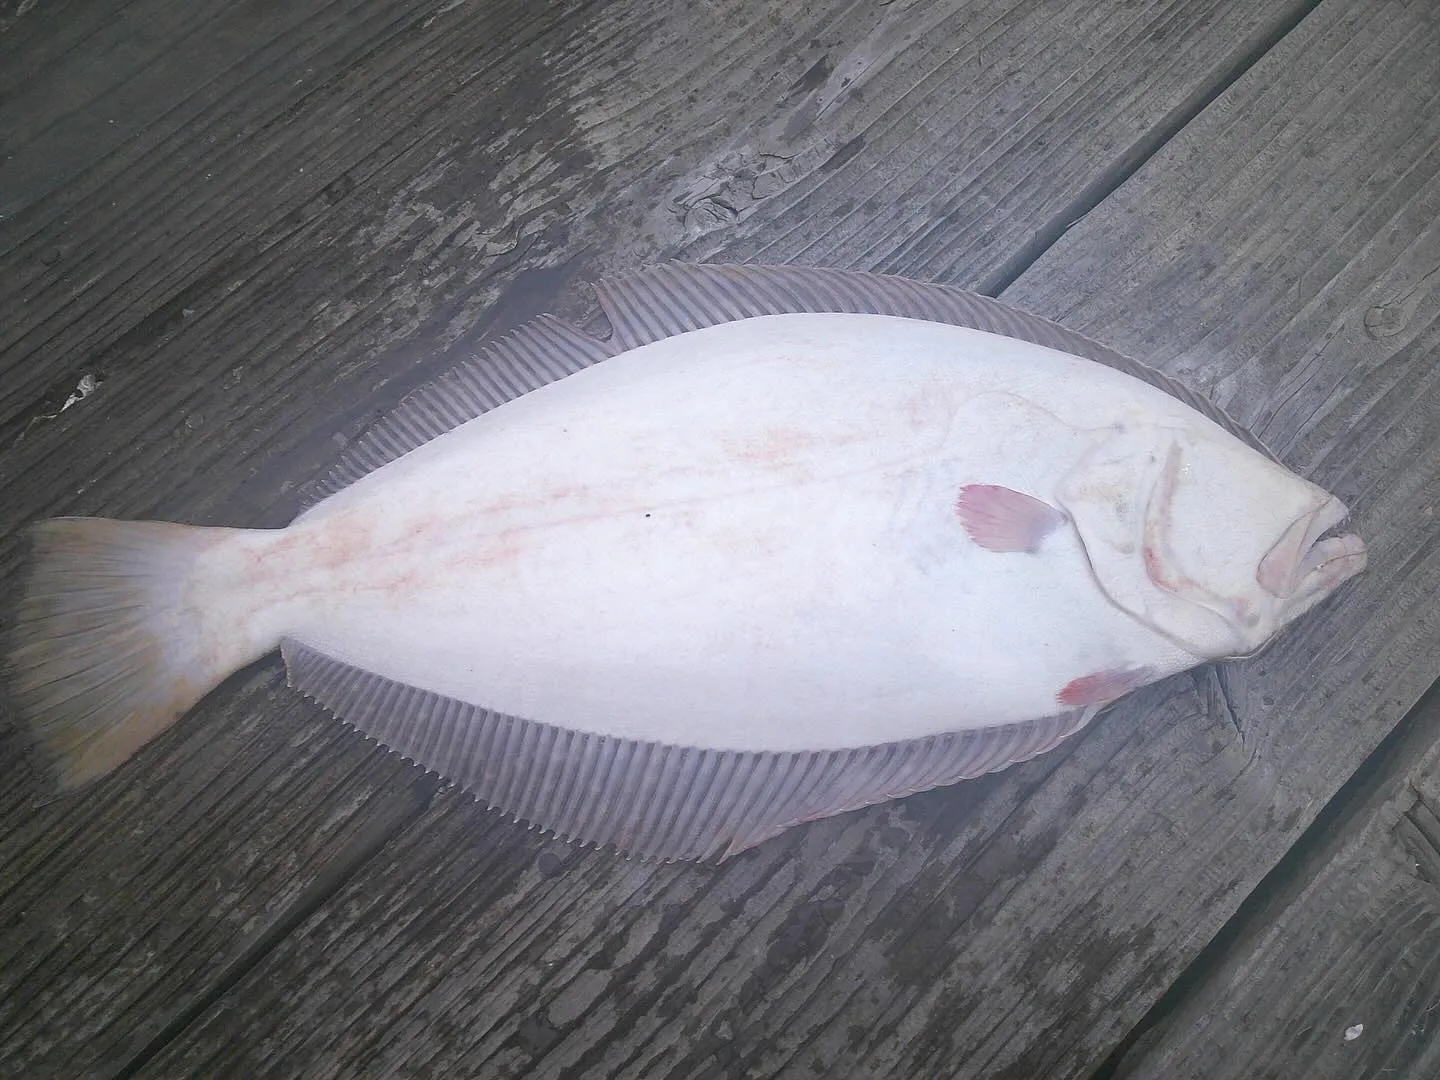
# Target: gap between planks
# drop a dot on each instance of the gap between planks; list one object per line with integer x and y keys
{"x": 364, "y": 847}
{"x": 1307, "y": 858}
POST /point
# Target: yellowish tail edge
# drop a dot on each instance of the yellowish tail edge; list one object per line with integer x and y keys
{"x": 107, "y": 648}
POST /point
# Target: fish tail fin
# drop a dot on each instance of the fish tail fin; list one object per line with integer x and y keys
{"x": 114, "y": 638}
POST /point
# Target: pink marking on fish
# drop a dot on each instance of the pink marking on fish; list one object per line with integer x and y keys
{"x": 1002, "y": 519}
{"x": 1100, "y": 687}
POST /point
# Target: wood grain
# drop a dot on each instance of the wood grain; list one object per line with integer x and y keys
{"x": 125, "y": 908}
{"x": 1019, "y": 942}
{"x": 463, "y": 164}
{"x": 1336, "y": 971}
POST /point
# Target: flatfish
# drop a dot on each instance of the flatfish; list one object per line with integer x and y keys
{"x": 785, "y": 543}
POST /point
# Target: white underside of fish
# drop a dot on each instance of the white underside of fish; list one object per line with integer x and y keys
{"x": 788, "y": 543}
{"x": 744, "y": 537}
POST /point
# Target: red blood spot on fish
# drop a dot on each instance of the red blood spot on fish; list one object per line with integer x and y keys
{"x": 1003, "y": 519}
{"x": 1101, "y": 686}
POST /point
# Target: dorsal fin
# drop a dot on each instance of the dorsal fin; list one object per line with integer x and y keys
{"x": 533, "y": 355}
{"x": 662, "y": 301}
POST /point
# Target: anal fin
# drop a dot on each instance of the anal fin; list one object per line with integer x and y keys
{"x": 643, "y": 798}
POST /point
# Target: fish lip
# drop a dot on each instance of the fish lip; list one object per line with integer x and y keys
{"x": 1333, "y": 560}
{"x": 1305, "y": 563}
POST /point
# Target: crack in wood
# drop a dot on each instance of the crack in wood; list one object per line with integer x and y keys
{"x": 1418, "y": 831}
{"x": 328, "y": 880}
{"x": 1213, "y": 684}
{"x": 1131, "y": 159}
{"x": 277, "y": 1005}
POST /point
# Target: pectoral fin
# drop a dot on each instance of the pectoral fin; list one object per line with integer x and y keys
{"x": 1003, "y": 519}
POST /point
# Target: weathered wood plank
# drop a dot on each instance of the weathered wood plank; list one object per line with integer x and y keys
{"x": 1015, "y": 926}
{"x": 455, "y": 176}
{"x": 81, "y": 79}
{"x": 287, "y": 110}
{"x": 222, "y": 322}
{"x": 1354, "y": 932}
{"x": 121, "y": 910}
{"x": 1337, "y": 973}
{"x": 127, "y": 906}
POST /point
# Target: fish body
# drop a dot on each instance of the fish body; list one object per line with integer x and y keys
{"x": 802, "y": 559}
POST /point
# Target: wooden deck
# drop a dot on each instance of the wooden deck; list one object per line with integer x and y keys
{"x": 233, "y": 233}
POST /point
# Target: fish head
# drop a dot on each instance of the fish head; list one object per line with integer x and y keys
{"x": 1205, "y": 539}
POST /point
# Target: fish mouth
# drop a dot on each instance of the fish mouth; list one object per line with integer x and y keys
{"x": 1307, "y": 564}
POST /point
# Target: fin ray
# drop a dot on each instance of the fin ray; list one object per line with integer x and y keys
{"x": 650, "y": 799}
{"x": 104, "y": 653}
{"x": 1002, "y": 519}
{"x": 660, "y": 301}
{"x": 541, "y": 351}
